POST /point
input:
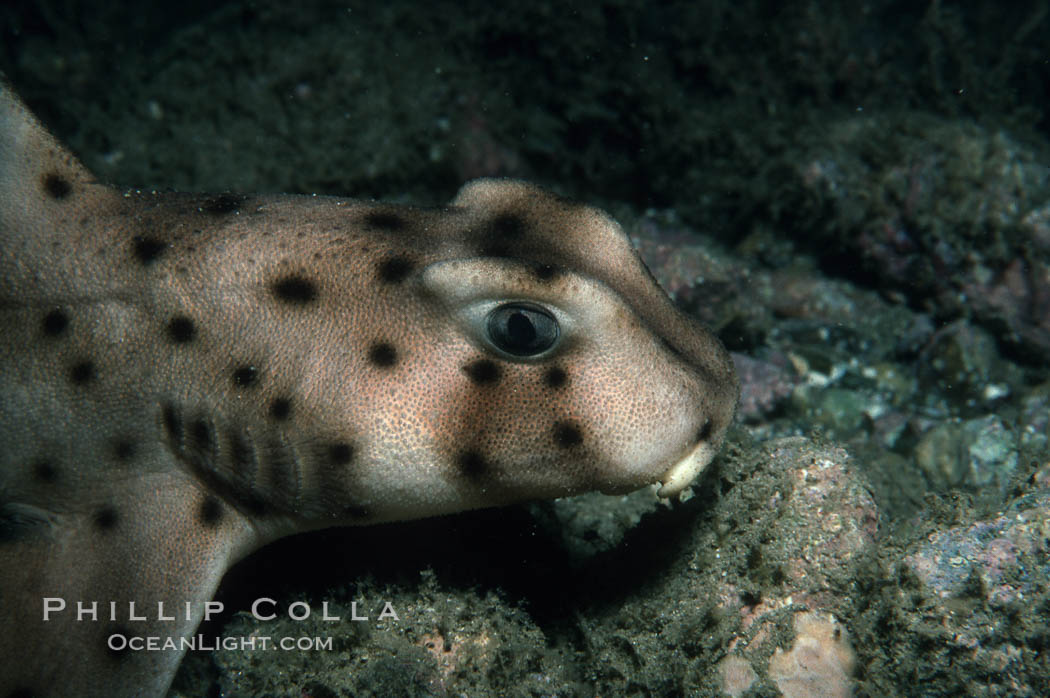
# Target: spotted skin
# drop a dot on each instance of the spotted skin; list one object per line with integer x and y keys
{"x": 184, "y": 378}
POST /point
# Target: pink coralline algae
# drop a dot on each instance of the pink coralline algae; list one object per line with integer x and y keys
{"x": 835, "y": 518}
{"x": 819, "y": 663}
{"x": 819, "y": 521}
{"x": 995, "y": 549}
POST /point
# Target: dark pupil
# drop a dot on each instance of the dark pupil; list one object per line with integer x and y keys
{"x": 520, "y": 331}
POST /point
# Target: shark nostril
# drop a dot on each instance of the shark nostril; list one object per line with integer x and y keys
{"x": 705, "y": 431}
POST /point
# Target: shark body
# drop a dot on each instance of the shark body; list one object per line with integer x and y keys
{"x": 184, "y": 378}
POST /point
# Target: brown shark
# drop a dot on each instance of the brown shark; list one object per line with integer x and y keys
{"x": 184, "y": 378}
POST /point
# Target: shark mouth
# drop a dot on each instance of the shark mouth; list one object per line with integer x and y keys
{"x": 681, "y": 474}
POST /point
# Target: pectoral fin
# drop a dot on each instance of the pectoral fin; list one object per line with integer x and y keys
{"x": 161, "y": 540}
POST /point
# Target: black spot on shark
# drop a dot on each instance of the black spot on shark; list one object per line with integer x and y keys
{"x": 45, "y": 471}
{"x": 281, "y": 408}
{"x": 181, "y": 329}
{"x": 123, "y": 449}
{"x": 105, "y": 519}
{"x": 567, "y": 434}
{"x": 55, "y": 322}
{"x": 545, "y": 272}
{"x": 147, "y": 250}
{"x": 245, "y": 376}
{"x": 502, "y": 236}
{"x": 222, "y": 203}
{"x": 555, "y": 377}
{"x": 473, "y": 466}
{"x": 387, "y": 221}
{"x": 56, "y": 186}
{"x": 394, "y": 270}
{"x": 340, "y": 453}
{"x": 210, "y": 511}
{"x": 82, "y": 372}
{"x": 295, "y": 290}
{"x": 483, "y": 371}
{"x": 382, "y": 354}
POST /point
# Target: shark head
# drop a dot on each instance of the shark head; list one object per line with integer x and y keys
{"x": 187, "y": 377}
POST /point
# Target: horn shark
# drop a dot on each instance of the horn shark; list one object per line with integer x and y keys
{"x": 185, "y": 378}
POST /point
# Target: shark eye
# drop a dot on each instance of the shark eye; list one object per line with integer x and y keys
{"x": 522, "y": 329}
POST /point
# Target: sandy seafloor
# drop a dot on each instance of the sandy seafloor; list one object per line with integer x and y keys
{"x": 857, "y": 199}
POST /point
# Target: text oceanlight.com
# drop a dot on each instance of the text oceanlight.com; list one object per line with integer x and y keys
{"x": 118, "y": 642}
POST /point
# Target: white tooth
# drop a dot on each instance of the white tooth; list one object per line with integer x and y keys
{"x": 678, "y": 477}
